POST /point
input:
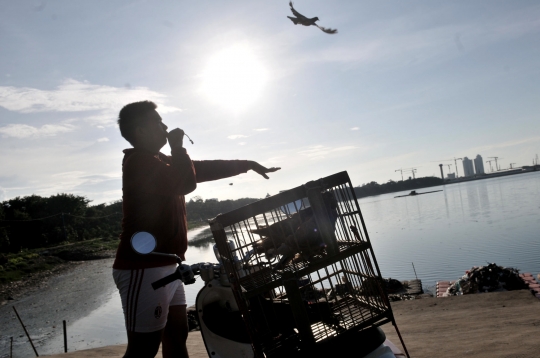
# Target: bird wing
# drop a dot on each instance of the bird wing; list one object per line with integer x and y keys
{"x": 327, "y": 30}
{"x": 296, "y": 13}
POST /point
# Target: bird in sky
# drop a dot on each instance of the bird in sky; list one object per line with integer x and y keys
{"x": 302, "y": 20}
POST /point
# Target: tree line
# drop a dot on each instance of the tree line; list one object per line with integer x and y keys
{"x": 202, "y": 210}
{"x": 33, "y": 221}
{"x": 374, "y": 188}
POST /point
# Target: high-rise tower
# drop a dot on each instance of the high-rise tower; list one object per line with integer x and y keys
{"x": 479, "y": 165}
{"x": 468, "y": 167}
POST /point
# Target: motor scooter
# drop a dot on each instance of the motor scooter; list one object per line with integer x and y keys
{"x": 222, "y": 326}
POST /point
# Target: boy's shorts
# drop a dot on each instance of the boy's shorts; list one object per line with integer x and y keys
{"x": 146, "y": 310}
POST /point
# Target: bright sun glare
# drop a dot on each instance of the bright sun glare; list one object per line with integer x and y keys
{"x": 234, "y": 78}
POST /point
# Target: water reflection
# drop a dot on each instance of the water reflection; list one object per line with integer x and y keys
{"x": 446, "y": 205}
{"x": 472, "y": 200}
{"x": 468, "y": 224}
{"x": 102, "y": 327}
{"x": 484, "y": 199}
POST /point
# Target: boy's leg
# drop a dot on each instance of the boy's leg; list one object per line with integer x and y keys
{"x": 146, "y": 310}
{"x": 143, "y": 345}
{"x": 175, "y": 334}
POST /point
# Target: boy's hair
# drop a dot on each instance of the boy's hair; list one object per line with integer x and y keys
{"x": 133, "y": 116}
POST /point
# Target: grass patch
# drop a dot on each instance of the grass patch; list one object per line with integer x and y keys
{"x": 195, "y": 224}
{"x": 20, "y": 265}
{"x": 202, "y": 242}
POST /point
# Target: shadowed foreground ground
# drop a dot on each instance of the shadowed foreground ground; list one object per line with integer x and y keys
{"x": 502, "y": 324}
{"x": 499, "y": 324}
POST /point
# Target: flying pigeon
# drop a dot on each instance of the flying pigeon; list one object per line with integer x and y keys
{"x": 302, "y": 20}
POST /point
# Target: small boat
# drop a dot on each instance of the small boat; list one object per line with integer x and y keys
{"x": 414, "y": 193}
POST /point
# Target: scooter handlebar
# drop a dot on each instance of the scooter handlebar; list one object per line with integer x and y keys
{"x": 183, "y": 272}
{"x": 165, "y": 280}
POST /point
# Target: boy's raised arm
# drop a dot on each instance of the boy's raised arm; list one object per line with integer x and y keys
{"x": 208, "y": 170}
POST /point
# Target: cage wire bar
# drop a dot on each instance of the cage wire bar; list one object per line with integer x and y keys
{"x": 302, "y": 268}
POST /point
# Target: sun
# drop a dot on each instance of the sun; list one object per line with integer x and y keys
{"x": 234, "y": 78}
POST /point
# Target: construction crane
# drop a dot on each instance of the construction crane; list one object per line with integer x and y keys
{"x": 406, "y": 170}
{"x": 490, "y": 168}
{"x": 412, "y": 170}
{"x": 511, "y": 165}
{"x": 496, "y": 165}
{"x": 449, "y": 160}
{"x": 399, "y": 170}
{"x": 449, "y": 165}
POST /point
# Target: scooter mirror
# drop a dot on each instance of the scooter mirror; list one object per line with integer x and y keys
{"x": 143, "y": 242}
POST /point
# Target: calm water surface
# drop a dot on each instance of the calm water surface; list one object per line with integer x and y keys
{"x": 467, "y": 224}
{"x": 444, "y": 234}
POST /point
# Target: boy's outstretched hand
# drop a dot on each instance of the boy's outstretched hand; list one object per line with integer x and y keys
{"x": 259, "y": 169}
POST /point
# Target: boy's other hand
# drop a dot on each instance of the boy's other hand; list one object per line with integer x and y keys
{"x": 259, "y": 169}
{"x": 176, "y": 138}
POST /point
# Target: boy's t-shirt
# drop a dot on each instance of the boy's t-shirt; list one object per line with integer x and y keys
{"x": 153, "y": 201}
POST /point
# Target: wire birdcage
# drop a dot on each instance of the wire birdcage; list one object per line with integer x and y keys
{"x": 302, "y": 267}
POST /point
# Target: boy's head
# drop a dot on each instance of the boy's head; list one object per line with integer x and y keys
{"x": 141, "y": 125}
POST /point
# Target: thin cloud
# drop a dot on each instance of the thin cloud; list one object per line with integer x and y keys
{"x": 25, "y": 131}
{"x": 261, "y": 129}
{"x": 506, "y": 144}
{"x": 278, "y": 159}
{"x": 355, "y": 128}
{"x": 321, "y": 151}
{"x": 236, "y": 136}
{"x": 76, "y": 96}
{"x": 101, "y": 187}
{"x": 104, "y": 139}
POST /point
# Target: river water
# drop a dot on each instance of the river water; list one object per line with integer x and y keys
{"x": 467, "y": 224}
{"x": 443, "y": 234}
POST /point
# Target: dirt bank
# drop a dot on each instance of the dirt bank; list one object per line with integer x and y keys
{"x": 498, "y": 324}
{"x": 24, "y": 265}
{"x": 501, "y": 324}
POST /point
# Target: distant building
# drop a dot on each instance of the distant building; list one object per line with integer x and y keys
{"x": 479, "y": 165}
{"x": 468, "y": 167}
{"x": 451, "y": 176}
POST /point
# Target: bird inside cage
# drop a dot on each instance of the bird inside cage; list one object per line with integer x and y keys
{"x": 296, "y": 238}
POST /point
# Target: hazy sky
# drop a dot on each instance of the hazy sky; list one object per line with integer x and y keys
{"x": 403, "y": 84}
